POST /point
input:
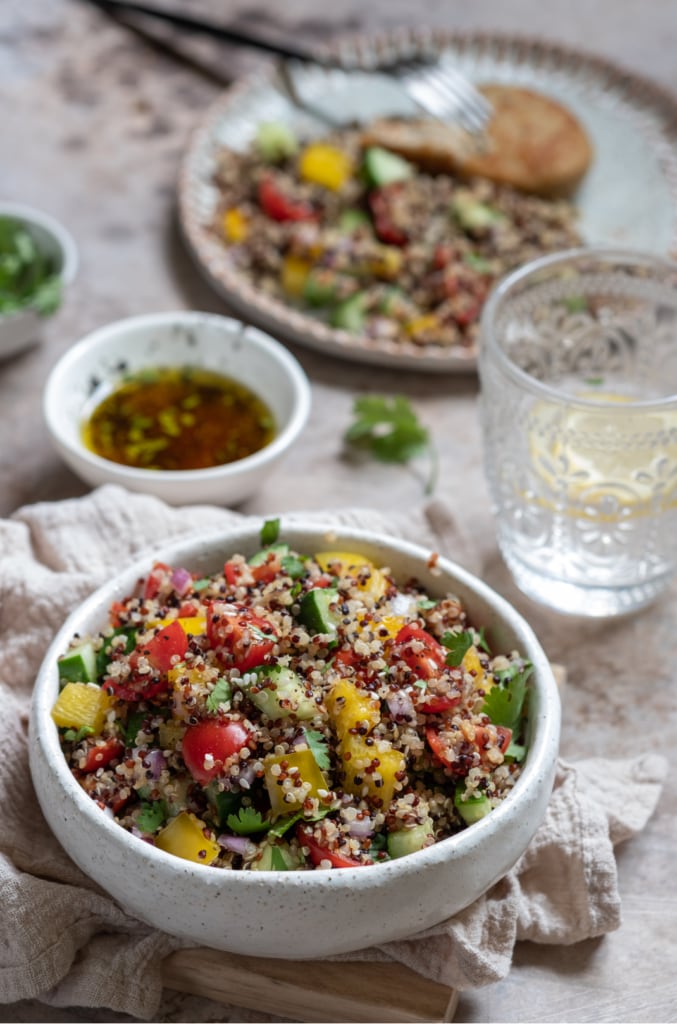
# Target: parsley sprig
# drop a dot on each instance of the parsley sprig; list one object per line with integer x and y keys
{"x": 389, "y": 430}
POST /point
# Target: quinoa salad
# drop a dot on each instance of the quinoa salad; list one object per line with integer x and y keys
{"x": 371, "y": 244}
{"x": 292, "y": 712}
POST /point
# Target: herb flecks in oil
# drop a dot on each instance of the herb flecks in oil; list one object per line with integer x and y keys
{"x": 178, "y": 418}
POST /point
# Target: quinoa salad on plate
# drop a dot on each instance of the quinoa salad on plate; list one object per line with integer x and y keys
{"x": 294, "y": 711}
{"x": 371, "y": 243}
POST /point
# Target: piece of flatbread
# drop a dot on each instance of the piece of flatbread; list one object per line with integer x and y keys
{"x": 532, "y": 143}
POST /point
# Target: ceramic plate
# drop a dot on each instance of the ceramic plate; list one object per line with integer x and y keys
{"x": 628, "y": 198}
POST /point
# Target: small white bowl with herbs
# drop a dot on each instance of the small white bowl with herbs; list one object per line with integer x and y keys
{"x": 38, "y": 260}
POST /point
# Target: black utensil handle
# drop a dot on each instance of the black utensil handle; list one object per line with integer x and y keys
{"x": 209, "y": 28}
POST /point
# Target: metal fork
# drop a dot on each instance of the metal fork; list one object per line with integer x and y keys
{"x": 432, "y": 82}
{"x": 442, "y": 91}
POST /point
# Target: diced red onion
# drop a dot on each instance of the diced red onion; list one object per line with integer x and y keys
{"x": 154, "y": 760}
{"x": 246, "y": 776}
{"x": 236, "y": 844}
{"x": 361, "y": 828}
{"x": 400, "y": 705}
{"x": 182, "y": 581}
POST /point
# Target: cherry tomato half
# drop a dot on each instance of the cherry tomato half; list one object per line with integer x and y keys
{"x": 167, "y": 647}
{"x": 420, "y": 651}
{"x": 241, "y": 639}
{"x": 102, "y": 753}
{"x": 214, "y": 739}
{"x": 277, "y": 206}
{"x": 318, "y": 853}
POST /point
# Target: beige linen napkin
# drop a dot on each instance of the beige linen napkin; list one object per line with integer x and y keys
{"x": 64, "y": 942}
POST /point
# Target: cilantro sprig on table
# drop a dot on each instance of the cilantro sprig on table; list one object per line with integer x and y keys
{"x": 390, "y": 431}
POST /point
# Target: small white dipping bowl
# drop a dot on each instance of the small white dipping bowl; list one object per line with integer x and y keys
{"x": 23, "y": 328}
{"x": 301, "y": 914}
{"x": 216, "y": 343}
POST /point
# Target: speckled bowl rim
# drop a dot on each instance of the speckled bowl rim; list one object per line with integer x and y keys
{"x": 272, "y": 313}
{"x": 539, "y": 765}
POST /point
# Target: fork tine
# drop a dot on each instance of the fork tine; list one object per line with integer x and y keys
{"x": 461, "y": 95}
{"x": 445, "y": 103}
{"x": 458, "y": 86}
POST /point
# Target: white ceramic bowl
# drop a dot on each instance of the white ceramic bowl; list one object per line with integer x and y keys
{"x": 179, "y": 338}
{"x": 23, "y": 329}
{"x": 301, "y": 914}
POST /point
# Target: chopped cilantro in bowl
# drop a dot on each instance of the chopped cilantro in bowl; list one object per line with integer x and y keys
{"x": 29, "y": 276}
{"x": 38, "y": 260}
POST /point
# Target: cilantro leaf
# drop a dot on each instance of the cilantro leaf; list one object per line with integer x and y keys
{"x": 246, "y": 822}
{"x": 318, "y": 745}
{"x": 283, "y": 825}
{"x": 390, "y": 431}
{"x": 270, "y": 531}
{"x": 515, "y": 751}
{"x": 505, "y": 700}
{"x": 293, "y": 567}
{"x": 134, "y": 723}
{"x": 482, "y": 641}
{"x": 153, "y": 814}
{"x": 75, "y": 735}
{"x": 426, "y": 603}
{"x": 28, "y": 276}
{"x": 201, "y": 584}
{"x": 457, "y": 644}
{"x": 221, "y": 694}
{"x": 277, "y": 861}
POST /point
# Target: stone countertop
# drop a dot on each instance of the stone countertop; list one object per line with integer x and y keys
{"x": 94, "y": 122}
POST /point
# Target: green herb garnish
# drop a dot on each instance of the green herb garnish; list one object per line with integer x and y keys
{"x": 28, "y": 277}
{"x": 270, "y": 531}
{"x": 75, "y": 735}
{"x": 246, "y": 822}
{"x": 293, "y": 567}
{"x": 390, "y": 431}
{"x": 221, "y": 694}
{"x": 277, "y": 861}
{"x": 505, "y": 700}
{"x": 283, "y": 825}
{"x": 153, "y": 814}
{"x": 134, "y": 723}
{"x": 575, "y": 304}
{"x": 457, "y": 644}
{"x": 318, "y": 745}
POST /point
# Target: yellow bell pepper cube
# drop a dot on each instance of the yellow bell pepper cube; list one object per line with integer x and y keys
{"x": 392, "y": 623}
{"x": 81, "y": 705}
{"x": 235, "y": 225}
{"x": 325, "y": 165}
{"x": 294, "y": 274}
{"x": 291, "y": 778}
{"x": 386, "y": 263}
{"x": 349, "y": 707}
{"x": 346, "y": 564}
{"x": 193, "y": 625}
{"x": 471, "y": 663}
{"x": 185, "y": 837}
{"x": 177, "y": 674}
{"x": 370, "y": 769}
{"x": 420, "y": 324}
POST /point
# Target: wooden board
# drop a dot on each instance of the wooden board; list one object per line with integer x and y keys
{"x": 311, "y": 990}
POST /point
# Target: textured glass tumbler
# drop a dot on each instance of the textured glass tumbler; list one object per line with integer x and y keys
{"x": 578, "y": 372}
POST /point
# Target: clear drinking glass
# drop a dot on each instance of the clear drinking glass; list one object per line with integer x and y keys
{"x": 578, "y": 372}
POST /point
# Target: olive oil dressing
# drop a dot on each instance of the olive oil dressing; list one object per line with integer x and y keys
{"x": 178, "y": 418}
